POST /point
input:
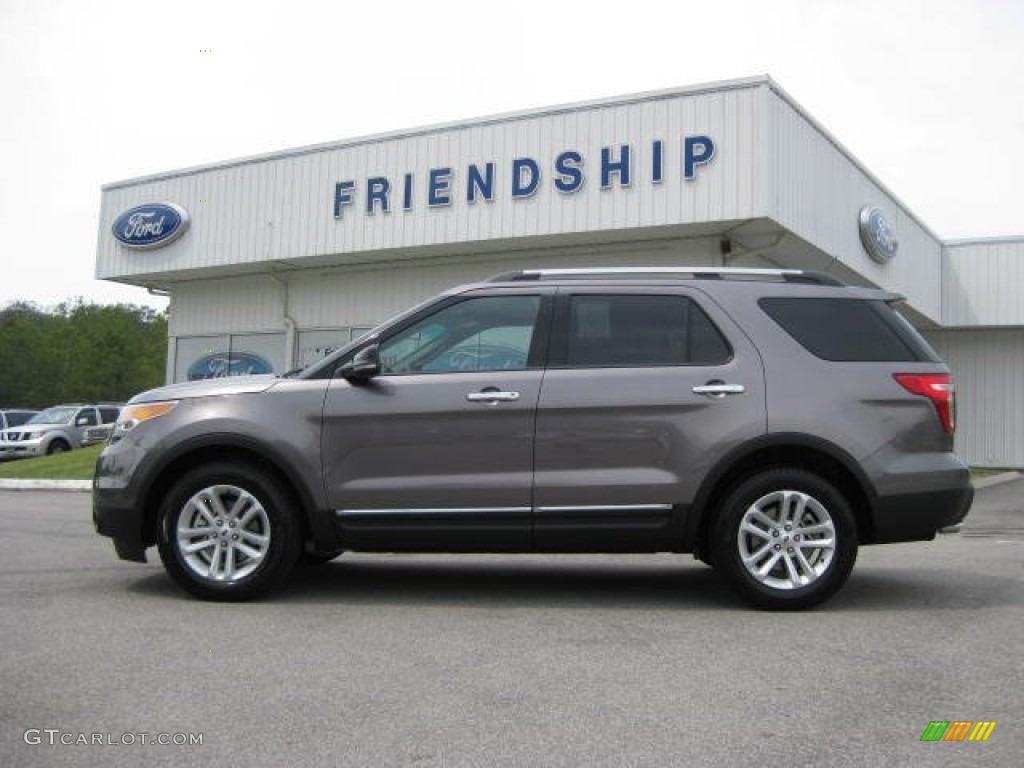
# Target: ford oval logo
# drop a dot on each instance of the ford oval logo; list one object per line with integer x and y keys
{"x": 151, "y": 226}
{"x": 877, "y": 235}
{"x": 220, "y": 365}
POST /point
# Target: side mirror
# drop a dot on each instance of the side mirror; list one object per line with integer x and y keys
{"x": 81, "y": 421}
{"x": 363, "y": 366}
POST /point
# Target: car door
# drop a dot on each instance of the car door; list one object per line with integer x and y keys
{"x": 85, "y": 418}
{"x": 436, "y": 452}
{"x": 644, "y": 392}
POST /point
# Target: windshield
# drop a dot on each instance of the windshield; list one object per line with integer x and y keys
{"x": 53, "y": 416}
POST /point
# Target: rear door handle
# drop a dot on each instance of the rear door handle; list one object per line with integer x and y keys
{"x": 492, "y": 396}
{"x": 719, "y": 389}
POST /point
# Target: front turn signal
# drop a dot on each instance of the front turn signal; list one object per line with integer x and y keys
{"x": 133, "y": 415}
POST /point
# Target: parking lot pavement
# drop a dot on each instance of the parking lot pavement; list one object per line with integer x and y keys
{"x": 507, "y": 660}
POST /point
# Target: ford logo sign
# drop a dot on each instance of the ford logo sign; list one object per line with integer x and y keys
{"x": 220, "y": 365}
{"x": 151, "y": 226}
{"x": 877, "y": 235}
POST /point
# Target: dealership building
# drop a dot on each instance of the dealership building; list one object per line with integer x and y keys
{"x": 272, "y": 261}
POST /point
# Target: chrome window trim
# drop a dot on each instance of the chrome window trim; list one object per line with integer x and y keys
{"x": 611, "y": 508}
{"x": 431, "y": 511}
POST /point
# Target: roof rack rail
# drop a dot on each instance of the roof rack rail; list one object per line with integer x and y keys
{"x": 698, "y": 273}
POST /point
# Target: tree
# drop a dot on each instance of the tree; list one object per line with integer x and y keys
{"x": 79, "y": 352}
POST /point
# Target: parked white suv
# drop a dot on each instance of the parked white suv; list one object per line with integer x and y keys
{"x": 55, "y": 430}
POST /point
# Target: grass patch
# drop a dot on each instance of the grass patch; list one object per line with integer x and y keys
{"x": 73, "y": 465}
{"x": 979, "y": 473}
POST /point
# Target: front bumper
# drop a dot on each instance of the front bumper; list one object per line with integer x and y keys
{"x": 117, "y": 517}
{"x": 20, "y": 450}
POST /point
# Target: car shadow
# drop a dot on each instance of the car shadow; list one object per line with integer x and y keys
{"x": 466, "y": 580}
{"x": 507, "y": 581}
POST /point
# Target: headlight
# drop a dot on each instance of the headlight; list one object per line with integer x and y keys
{"x": 133, "y": 415}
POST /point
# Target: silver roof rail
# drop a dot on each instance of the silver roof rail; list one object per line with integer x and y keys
{"x": 706, "y": 273}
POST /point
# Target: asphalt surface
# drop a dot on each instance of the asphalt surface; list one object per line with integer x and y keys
{"x": 507, "y": 661}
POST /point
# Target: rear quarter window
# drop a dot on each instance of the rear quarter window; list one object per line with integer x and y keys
{"x": 849, "y": 330}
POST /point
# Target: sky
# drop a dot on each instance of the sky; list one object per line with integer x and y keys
{"x": 927, "y": 94}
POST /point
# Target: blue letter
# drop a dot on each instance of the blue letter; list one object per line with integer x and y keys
{"x": 378, "y": 188}
{"x": 657, "y": 162}
{"x": 519, "y": 188}
{"x": 482, "y": 184}
{"x": 407, "y": 193}
{"x": 620, "y": 168}
{"x": 568, "y": 174}
{"x": 439, "y": 187}
{"x": 342, "y": 196}
{"x": 697, "y": 150}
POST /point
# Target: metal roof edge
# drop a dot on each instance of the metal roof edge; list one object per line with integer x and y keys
{"x": 828, "y": 136}
{"x": 657, "y": 95}
{"x": 996, "y": 240}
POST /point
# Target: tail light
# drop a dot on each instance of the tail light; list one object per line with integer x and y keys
{"x": 937, "y": 387}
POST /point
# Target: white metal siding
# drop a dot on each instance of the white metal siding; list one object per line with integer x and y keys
{"x": 983, "y": 283}
{"x": 237, "y": 305}
{"x": 281, "y": 208}
{"x": 988, "y": 366}
{"x": 361, "y": 296}
{"x": 812, "y": 188}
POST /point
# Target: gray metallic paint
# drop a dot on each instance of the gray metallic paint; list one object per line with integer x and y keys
{"x": 603, "y": 459}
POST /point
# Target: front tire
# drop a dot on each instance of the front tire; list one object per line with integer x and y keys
{"x": 228, "y": 532}
{"x": 57, "y": 446}
{"x": 785, "y": 539}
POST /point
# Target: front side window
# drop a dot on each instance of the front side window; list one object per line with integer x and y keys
{"x": 641, "y": 330}
{"x": 488, "y": 333}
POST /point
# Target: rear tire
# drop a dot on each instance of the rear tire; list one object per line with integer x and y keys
{"x": 228, "y": 532}
{"x": 785, "y": 539}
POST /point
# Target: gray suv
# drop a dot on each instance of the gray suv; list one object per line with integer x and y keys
{"x": 768, "y": 421}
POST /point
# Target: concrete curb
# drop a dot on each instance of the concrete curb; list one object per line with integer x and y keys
{"x": 46, "y": 485}
{"x": 988, "y": 482}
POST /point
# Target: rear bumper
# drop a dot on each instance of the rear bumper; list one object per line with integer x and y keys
{"x": 919, "y": 516}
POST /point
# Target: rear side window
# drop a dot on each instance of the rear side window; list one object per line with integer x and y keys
{"x": 109, "y": 415}
{"x": 849, "y": 330}
{"x": 17, "y": 418}
{"x": 640, "y": 330}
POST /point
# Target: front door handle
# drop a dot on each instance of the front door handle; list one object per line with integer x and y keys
{"x": 492, "y": 396}
{"x": 719, "y": 389}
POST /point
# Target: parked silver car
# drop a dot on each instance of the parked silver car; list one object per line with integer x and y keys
{"x": 56, "y": 429}
{"x": 770, "y": 422}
